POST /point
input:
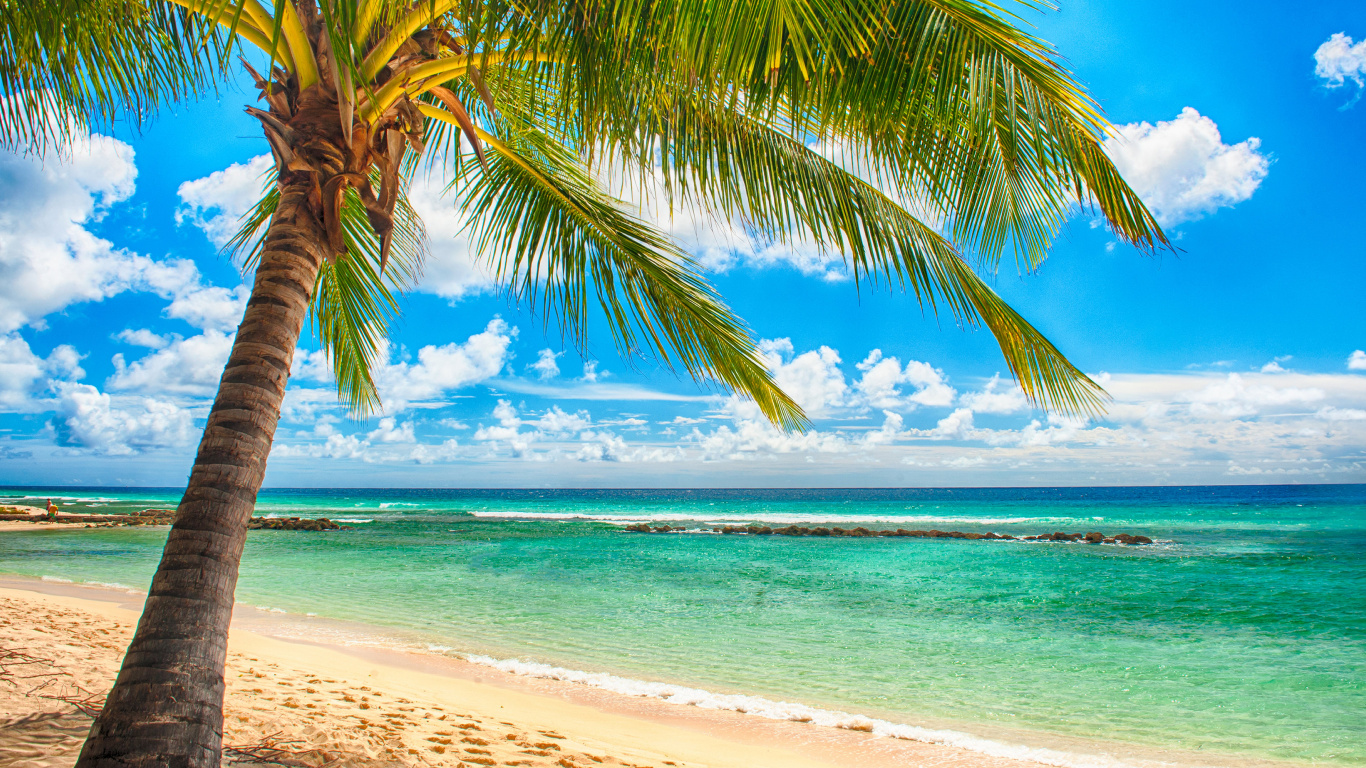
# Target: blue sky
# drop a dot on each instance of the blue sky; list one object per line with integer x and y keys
{"x": 1235, "y": 360}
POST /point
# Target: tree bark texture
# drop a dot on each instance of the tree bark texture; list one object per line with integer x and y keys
{"x": 166, "y": 707}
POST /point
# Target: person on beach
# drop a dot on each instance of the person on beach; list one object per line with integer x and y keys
{"x": 51, "y": 509}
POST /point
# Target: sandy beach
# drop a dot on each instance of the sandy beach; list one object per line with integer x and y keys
{"x": 316, "y": 704}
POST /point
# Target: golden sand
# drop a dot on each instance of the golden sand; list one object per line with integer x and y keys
{"x": 322, "y": 705}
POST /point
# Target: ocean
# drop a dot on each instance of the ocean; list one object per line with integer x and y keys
{"x": 1238, "y": 638}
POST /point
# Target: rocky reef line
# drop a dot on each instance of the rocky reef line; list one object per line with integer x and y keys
{"x": 164, "y": 517}
{"x": 1092, "y": 537}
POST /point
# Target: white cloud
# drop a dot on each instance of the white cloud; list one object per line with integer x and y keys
{"x": 507, "y": 431}
{"x": 48, "y": 257}
{"x": 430, "y": 454}
{"x": 1357, "y": 361}
{"x": 880, "y": 385}
{"x": 559, "y": 435}
{"x": 1235, "y": 397}
{"x": 141, "y": 337}
{"x": 190, "y": 366}
{"x": 601, "y": 446}
{"x": 590, "y": 372}
{"x": 390, "y": 431}
{"x": 813, "y": 379}
{"x": 998, "y": 396}
{"x": 24, "y": 375}
{"x": 545, "y": 365}
{"x": 1182, "y": 168}
{"x": 453, "y": 271}
{"x": 556, "y": 421}
{"x": 217, "y": 202}
{"x": 750, "y": 436}
{"x": 1341, "y": 414}
{"x": 1060, "y": 429}
{"x": 1338, "y": 60}
{"x": 889, "y": 432}
{"x": 203, "y": 306}
{"x": 311, "y": 365}
{"x": 447, "y": 367}
{"x": 302, "y": 404}
{"x": 1274, "y": 366}
{"x": 955, "y": 426}
{"x": 89, "y": 420}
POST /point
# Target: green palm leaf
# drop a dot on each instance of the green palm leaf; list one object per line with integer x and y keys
{"x": 88, "y": 62}
{"x": 354, "y": 305}
{"x": 554, "y": 237}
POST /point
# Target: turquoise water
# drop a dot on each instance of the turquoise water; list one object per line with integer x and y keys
{"x": 1242, "y": 633}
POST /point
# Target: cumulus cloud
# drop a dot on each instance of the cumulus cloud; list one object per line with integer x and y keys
{"x": 181, "y": 366}
{"x": 440, "y": 369}
{"x": 51, "y": 260}
{"x": 1183, "y": 169}
{"x": 141, "y": 337}
{"x": 453, "y": 270}
{"x": 507, "y": 431}
{"x": 447, "y": 450}
{"x": 880, "y": 385}
{"x": 1341, "y": 414}
{"x": 559, "y": 435}
{"x": 817, "y": 382}
{"x": 956, "y": 426}
{"x": 390, "y": 431}
{"x": 310, "y": 365}
{"x": 1236, "y": 397}
{"x": 545, "y": 365}
{"x": 89, "y": 420}
{"x": 24, "y": 375}
{"x": 998, "y": 396}
{"x": 749, "y": 435}
{"x": 556, "y": 421}
{"x": 48, "y": 256}
{"x": 216, "y": 203}
{"x": 1339, "y": 60}
{"x": 813, "y": 379}
{"x": 1281, "y": 423}
{"x": 190, "y": 366}
{"x": 1357, "y": 361}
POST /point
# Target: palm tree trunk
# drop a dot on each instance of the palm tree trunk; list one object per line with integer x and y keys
{"x": 166, "y": 707}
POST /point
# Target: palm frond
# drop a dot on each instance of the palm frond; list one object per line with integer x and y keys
{"x": 554, "y": 237}
{"x": 86, "y": 63}
{"x": 742, "y": 169}
{"x": 945, "y": 99}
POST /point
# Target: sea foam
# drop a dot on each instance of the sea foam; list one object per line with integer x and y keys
{"x": 759, "y": 706}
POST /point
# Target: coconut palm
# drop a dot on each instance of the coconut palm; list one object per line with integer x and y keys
{"x": 920, "y": 139}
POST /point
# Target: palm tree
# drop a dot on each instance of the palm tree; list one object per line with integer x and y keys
{"x": 942, "y": 107}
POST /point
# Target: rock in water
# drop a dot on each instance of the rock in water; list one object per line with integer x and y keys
{"x": 292, "y": 524}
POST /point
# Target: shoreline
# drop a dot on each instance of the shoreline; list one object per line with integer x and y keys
{"x": 641, "y": 726}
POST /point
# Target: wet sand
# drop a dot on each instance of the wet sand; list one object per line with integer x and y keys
{"x": 334, "y": 705}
